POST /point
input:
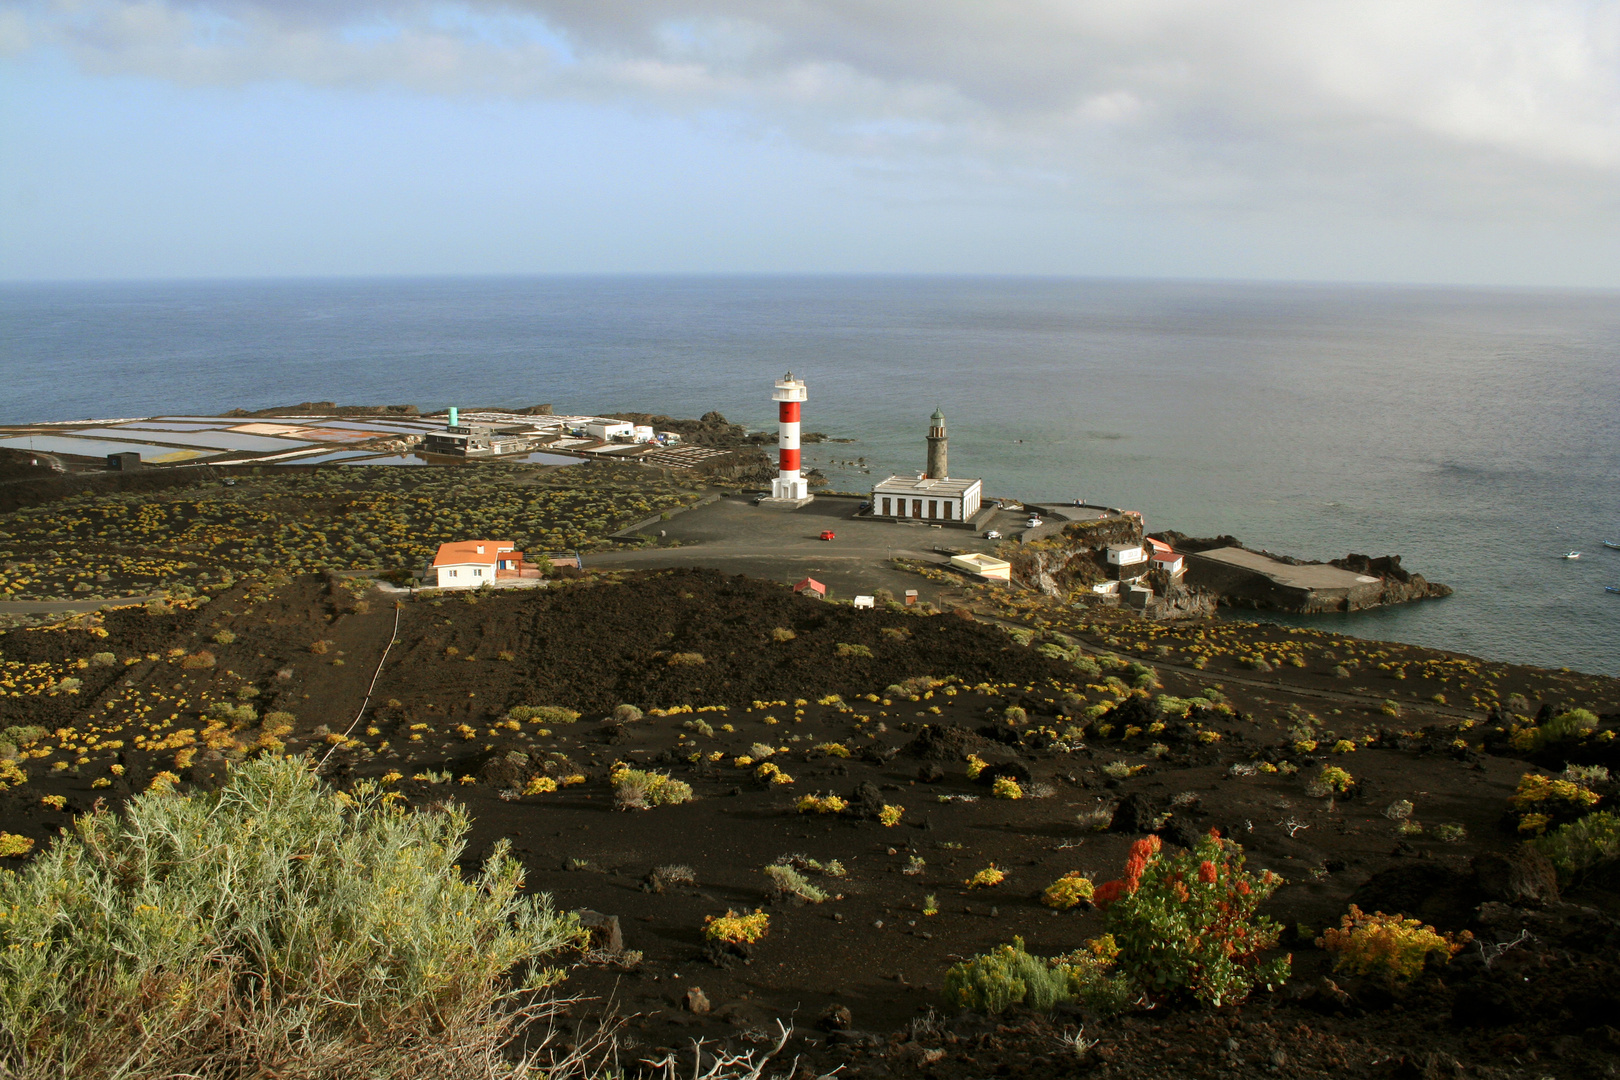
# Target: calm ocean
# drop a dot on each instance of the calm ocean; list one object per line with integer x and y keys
{"x": 1476, "y": 433}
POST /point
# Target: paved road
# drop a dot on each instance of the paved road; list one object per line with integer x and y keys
{"x": 735, "y": 536}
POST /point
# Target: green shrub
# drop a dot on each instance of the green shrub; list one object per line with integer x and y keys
{"x": 1567, "y": 726}
{"x": 103, "y": 659}
{"x": 1055, "y": 650}
{"x": 789, "y": 883}
{"x": 224, "y": 637}
{"x": 1578, "y": 848}
{"x": 24, "y": 735}
{"x": 1186, "y": 922}
{"x": 240, "y": 714}
{"x": 637, "y": 789}
{"x": 542, "y": 714}
{"x": 847, "y": 650}
{"x": 272, "y": 921}
{"x": 1168, "y": 707}
{"x": 1009, "y": 975}
{"x": 626, "y": 714}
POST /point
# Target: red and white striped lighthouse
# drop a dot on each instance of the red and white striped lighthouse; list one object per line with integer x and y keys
{"x": 788, "y": 485}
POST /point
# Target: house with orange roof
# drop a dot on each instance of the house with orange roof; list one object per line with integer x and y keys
{"x": 470, "y": 564}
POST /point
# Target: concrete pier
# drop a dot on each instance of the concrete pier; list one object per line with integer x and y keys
{"x": 1250, "y": 578}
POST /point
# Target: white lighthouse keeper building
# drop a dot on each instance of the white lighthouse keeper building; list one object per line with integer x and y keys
{"x": 789, "y": 488}
{"x": 933, "y": 496}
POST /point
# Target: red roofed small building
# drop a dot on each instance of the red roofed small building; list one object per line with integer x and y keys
{"x": 468, "y": 564}
{"x": 812, "y": 585}
{"x": 1165, "y": 559}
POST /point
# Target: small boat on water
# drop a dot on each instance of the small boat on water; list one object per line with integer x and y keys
{"x": 1612, "y": 544}
{"x": 1572, "y": 555}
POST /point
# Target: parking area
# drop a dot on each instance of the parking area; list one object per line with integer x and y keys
{"x": 734, "y": 535}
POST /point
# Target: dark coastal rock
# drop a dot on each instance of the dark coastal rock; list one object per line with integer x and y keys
{"x": 605, "y": 932}
{"x": 867, "y": 800}
{"x": 1134, "y": 711}
{"x": 1522, "y": 877}
{"x": 1134, "y": 814}
{"x": 1400, "y": 585}
{"x": 834, "y": 1017}
{"x": 208, "y": 771}
{"x": 1014, "y": 770}
{"x": 944, "y": 742}
{"x": 503, "y": 768}
{"x": 1436, "y": 893}
{"x": 1182, "y": 831}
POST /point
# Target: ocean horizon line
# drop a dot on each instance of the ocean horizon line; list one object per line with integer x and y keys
{"x": 813, "y": 275}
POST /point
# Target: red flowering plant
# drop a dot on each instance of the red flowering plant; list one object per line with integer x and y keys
{"x": 1185, "y": 922}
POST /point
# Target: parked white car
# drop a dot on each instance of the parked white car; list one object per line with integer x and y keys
{"x": 1032, "y": 522}
{"x": 993, "y": 534}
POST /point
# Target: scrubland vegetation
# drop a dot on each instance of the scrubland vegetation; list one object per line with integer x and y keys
{"x": 1073, "y": 827}
{"x": 273, "y": 925}
{"x": 186, "y": 541}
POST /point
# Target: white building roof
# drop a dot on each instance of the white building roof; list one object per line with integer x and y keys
{"x": 950, "y": 487}
{"x": 984, "y": 565}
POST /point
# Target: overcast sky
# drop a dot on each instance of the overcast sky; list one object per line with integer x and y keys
{"x": 1472, "y": 141}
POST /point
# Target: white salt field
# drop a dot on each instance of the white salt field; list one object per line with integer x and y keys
{"x": 217, "y": 440}
{"x": 310, "y": 440}
{"x": 59, "y": 444}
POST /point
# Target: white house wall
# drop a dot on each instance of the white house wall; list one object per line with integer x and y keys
{"x": 465, "y": 575}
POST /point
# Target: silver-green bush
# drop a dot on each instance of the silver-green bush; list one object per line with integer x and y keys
{"x": 1578, "y": 848}
{"x": 273, "y": 927}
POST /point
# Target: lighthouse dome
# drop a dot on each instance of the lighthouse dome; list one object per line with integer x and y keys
{"x": 938, "y": 415}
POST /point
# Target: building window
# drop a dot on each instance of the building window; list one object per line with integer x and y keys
{"x": 478, "y": 573}
{"x": 452, "y": 573}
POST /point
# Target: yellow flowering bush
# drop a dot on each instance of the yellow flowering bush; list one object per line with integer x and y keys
{"x": 1387, "y": 946}
{"x": 822, "y": 804}
{"x": 13, "y": 846}
{"x": 734, "y": 929}
{"x": 1006, "y": 787}
{"x": 1070, "y": 890}
{"x": 988, "y": 878}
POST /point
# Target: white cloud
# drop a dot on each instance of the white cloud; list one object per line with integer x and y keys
{"x": 1457, "y": 106}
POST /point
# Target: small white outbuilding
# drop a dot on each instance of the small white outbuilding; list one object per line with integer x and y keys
{"x": 610, "y": 429}
{"x": 986, "y": 566}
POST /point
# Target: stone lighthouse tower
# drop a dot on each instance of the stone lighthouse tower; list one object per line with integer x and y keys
{"x": 936, "y": 446}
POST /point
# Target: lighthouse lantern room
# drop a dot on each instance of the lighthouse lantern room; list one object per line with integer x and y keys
{"x": 789, "y": 487}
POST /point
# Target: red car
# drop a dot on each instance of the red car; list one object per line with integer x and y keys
{"x": 828, "y": 534}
